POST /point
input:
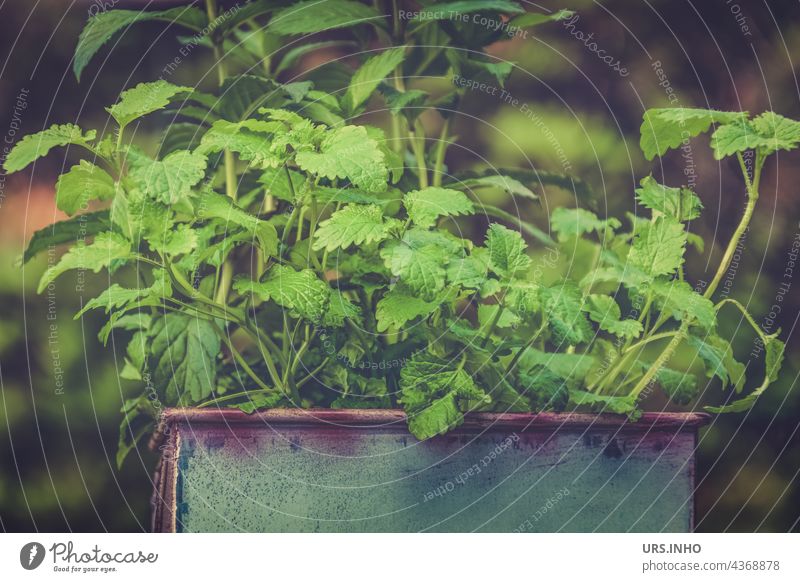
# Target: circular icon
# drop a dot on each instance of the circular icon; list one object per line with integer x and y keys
{"x": 31, "y": 555}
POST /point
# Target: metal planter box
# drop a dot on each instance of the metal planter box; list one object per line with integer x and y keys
{"x": 361, "y": 471}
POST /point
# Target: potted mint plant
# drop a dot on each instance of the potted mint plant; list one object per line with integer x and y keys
{"x": 319, "y": 343}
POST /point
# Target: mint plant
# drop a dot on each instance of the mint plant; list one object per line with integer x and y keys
{"x": 288, "y": 255}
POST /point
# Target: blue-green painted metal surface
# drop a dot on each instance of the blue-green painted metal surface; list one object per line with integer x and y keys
{"x": 345, "y": 471}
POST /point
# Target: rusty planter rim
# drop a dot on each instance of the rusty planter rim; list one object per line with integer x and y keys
{"x": 351, "y": 418}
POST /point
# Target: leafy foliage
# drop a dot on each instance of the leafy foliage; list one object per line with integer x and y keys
{"x": 287, "y": 255}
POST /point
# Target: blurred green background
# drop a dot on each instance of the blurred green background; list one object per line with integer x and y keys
{"x": 60, "y": 390}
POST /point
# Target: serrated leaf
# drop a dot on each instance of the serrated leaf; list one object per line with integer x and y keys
{"x": 471, "y": 271}
{"x": 82, "y": 184}
{"x": 768, "y": 132}
{"x": 602, "y": 403}
{"x": 340, "y": 310}
{"x": 667, "y": 128}
{"x": 314, "y": 16}
{"x": 679, "y": 203}
{"x": 717, "y": 355}
{"x": 399, "y": 306}
{"x": 348, "y": 153}
{"x": 37, "y": 145}
{"x": 777, "y": 132}
{"x": 425, "y": 206}
{"x": 67, "y": 231}
{"x": 209, "y": 205}
{"x": 107, "y": 247}
{"x": 680, "y": 387}
{"x": 170, "y": 180}
{"x": 545, "y": 389}
{"x": 105, "y": 24}
{"x": 252, "y": 139}
{"x": 563, "y": 305}
{"x": 441, "y": 416}
{"x": 604, "y": 311}
{"x": 678, "y": 299}
{"x": 302, "y": 292}
{"x": 369, "y": 75}
{"x": 143, "y": 99}
{"x": 487, "y": 313}
{"x": 183, "y": 355}
{"x": 774, "y": 360}
{"x": 659, "y": 247}
{"x": 117, "y": 297}
{"x": 276, "y": 183}
{"x": 420, "y": 260}
{"x": 507, "y": 251}
{"x": 354, "y": 224}
{"x": 575, "y": 222}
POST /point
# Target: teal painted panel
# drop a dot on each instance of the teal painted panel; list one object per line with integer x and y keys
{"x": 377, "y": 478}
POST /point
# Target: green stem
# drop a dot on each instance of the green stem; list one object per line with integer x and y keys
{"x": 229, "y": 397}
{"x": 441, "y": 149}
{"x": 752, "y": 198}
{"x": 417, "y": 136}
{"x": 665, "y": 356}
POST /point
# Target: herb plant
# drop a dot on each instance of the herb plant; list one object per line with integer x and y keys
{"x": 289, "y": 255}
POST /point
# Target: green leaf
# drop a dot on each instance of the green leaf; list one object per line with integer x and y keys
{"x": 354, "y": 224}
{"x": 209, "y": 204}
{"x": 302, "y": 292}
{"x": 679, "y": 203}
{"x": 276, "y": 183}
{"x": 545, "y": 389}
{"x": 348, "y": 153}
{"x": 137, "y": 422}
{"x": 602, "y": 403}
{"x": 536, "y": 18}
{"x": 82, "y": 184}
{"x": 507, "y": 184}
{"x": 431, "y": 390}
{"x": 340, "y": 310}
{"x": 664, "y": 129}
{"x": 420, "y": 260}
{"x": 117, "y": 297}
{"x": 658, "y": 247}
{"x": 777, "y": 132}
{"x": 107, "y": 247}
{"x": 470, "y": 271}
{"x": 183, "y": 357}
{"x": 252, "y": 139}
{"x": 37, "y": 145}
{"x": 507, "y": 251}
{"x": 575, "y": 222}
{"x": 399, "y": 306}
{"x": 170, "y": 180}
{"x": 604, "y": 311}
{"x": 425, "y": 206}
{"x": 441, "y": 416}
{"x": 563, "y": 306}
{"x": 768, "y": 133}
{"x": 143, "y": 99}
{"x": 574, "y": 367}
{"x": 369, "y": 76}
{"x": 717, "y": 354}
{"x": 67, "y": 231}
{"x": 450, "y": 10}
{"x": 681, "y": 387}
{"x": 105, "y": 24}
{"x": 487, "y": 313}
{"x": 774, "y": 360}
{"x": 678, "y": 299}
{"x": 314, "y": 16}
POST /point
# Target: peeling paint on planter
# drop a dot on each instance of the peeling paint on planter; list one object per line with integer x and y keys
{"x": 361, "y": 471}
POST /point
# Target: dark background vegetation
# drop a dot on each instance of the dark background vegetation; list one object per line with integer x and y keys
{"x": 57, "y": 450}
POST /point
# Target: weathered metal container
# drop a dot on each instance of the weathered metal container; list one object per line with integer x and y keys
{"x": 361, "y": 471}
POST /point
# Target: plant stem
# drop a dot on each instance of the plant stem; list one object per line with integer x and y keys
{"x": 417, "y": 136}
{"x": 665, "y": 356}
{"x": 441, "y": 149}
{"x": 752, "y": 198}
{"x": 229, "y": 397}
